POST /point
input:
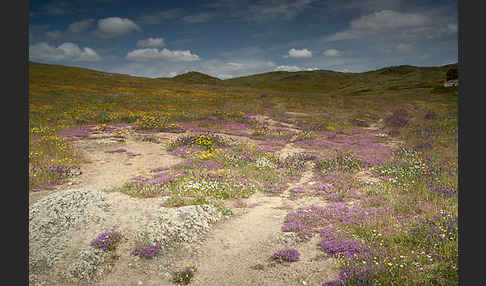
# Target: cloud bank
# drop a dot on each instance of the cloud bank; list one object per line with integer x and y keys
{"x": 294, "y": 53}
{"x": 115, "y": 27}
{"x": 65, "y": 52}
{"x": 164, "y": 54}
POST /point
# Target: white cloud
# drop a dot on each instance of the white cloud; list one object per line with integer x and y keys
{"x": 287, "y": 68}
{"x": 385, "y": 21}
{"x": 229, "y": 69}
{"x": 293, "y": 68}
{"x": 164, "y": 54}
{"x": 151, "y": 43}
{"x": 65, "y": 52}
{"x": 88, "y": 54}
{"x": 80, "y": 26}
{"x": 294, "y": 53}
{"x": 219, "y": 68}
{"x": 115, "y": 27}
{"x": 331, "y": 53}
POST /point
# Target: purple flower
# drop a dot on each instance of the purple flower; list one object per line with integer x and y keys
{"x": 336, "y": 282}
{"x": 287, "y": 254}
{"x": 148, "y": 251}
{"x": 119, "y": 150}
{"x": 106, "y": 240}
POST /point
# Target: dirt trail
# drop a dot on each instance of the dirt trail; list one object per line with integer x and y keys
{"x": 237, "y": 252}
{"x": 108, "y": 170}
{"x": 238, "y": 249}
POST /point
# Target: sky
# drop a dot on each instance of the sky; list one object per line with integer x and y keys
{"x": 233, "y": 38}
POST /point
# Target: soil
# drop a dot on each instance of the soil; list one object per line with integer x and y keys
{"x": 237, "y": 250}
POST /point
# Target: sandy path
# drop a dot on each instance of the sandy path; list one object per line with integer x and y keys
{"x": 235, "y": 249}
{"x": 108, "y": 170}
{"x": 238, "y": 249}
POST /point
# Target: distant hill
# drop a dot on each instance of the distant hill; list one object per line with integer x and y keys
{"x": 384, "y": 80}
{"x": 196, "y": 78}
{"x": 388, "y": 78}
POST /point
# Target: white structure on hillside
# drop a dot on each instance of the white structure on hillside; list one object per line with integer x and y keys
{"x": 452, "y": 82}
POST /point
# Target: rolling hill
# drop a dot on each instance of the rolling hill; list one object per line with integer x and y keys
{"x": 379, "y": 81}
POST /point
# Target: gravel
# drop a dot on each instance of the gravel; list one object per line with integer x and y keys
{"x": 56, "y": 222}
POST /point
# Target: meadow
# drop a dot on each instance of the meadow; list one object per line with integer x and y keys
{"x": 397, "y": 126}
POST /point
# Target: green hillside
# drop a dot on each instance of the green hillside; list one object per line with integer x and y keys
{"x": 323, "y": 81}
{"x": 196, "y": 78}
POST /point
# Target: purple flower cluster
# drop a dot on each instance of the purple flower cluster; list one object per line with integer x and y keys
{"x": 74, "y": 133}
{"x": 119, "y": 150}
{"x": 211, "y": 165}
{"x": 181, "y": 151}
{"x": 298, "y": 190}
{"x": 62, "y": 171}
{"x": 361, "y": 275}
{"x": 106, "y": 240}
{"x": 334, "y": 246}
{"x": 335, "y": 197}
{"x": 441, "y": 228}
{"x": 287, "y": 254}
{"x": 162, "y": 178}
{"x": 334, "y": 181}
{"x": 445, "y": 190}
{"x": 296, "y": 162}
{"x": 352, "y": 273}
{"x": 305, "y": 221}
{"x": 274, "y": 188}
{"x": 148, "y": 251}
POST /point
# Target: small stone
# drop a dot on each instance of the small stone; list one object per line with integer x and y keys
{"x": 258, "y": 267}
{"x": 140, "y": 282}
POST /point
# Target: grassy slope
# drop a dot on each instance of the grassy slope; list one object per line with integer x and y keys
{"x": 386, "y": 79}
{"x": 61, "y": 96}
{"x": 65, "y": 95}
{"x": 196, "y": 78}
{"x": 319, "y": 81}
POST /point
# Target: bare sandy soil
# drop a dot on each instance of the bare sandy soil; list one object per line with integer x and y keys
{"x": 236, "y": 252}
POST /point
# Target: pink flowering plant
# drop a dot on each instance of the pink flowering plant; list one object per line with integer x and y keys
{"x": 106, "y": 240}
{"x": 287, "y": 255}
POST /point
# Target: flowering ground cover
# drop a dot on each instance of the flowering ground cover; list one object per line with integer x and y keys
{"x": 400, "y": 229}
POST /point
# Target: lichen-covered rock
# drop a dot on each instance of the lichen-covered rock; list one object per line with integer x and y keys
{"x": 52, "y": 220}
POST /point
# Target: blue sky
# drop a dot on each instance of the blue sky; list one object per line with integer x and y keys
{"x": 231, "y": 38}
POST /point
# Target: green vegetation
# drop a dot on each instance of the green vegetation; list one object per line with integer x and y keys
{"x": 403, "y": 225}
